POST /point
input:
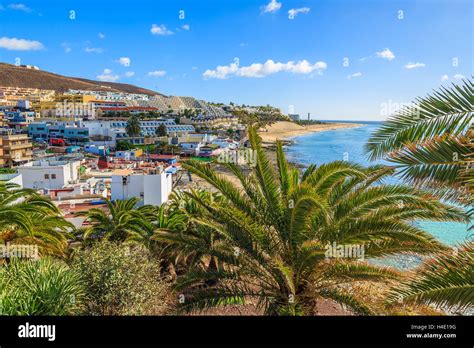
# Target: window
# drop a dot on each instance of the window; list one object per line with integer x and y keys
{"x": 46, "y": 176}
{"x": 53, "y": 176}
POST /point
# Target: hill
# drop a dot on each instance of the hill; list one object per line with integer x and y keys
{"x": 16, "y": 76}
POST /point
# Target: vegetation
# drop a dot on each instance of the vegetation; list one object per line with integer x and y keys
{"x": 161, "y": 130}
{"x": 133, "y": 126}
{"x": 446, "y": 280}
{"x": 269, "y": 240}
{"x": 41, "y": 287}
{"x": 308, "y": 122}
{"x": 259, "y": 118}
{"x": 123, "y": 145}
{"x": 149, "y": 148}
{"x": 28, "y": 218}
{"x": 121, "y": 279}
{"x": 429, "y": 141}
{"x": 8, "y": 171}
{"x": 121, "y": 221}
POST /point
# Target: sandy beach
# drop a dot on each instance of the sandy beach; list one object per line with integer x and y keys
{"x": 283, "y": 130}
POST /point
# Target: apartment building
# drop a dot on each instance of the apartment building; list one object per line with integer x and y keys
{"x": 15, "y": 149}
{"x": 114, "y": 131}
{"x": 67, "y": 107}
{"x": 13, "y": 94}
{"x": 62, "y": 130}
{"x": 19, "y": 119}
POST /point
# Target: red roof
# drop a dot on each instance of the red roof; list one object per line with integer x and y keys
{"x": 164, "y": 157}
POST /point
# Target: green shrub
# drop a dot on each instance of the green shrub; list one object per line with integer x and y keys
{"x": 121, "y": 279}
{"x": 42, "y": 287}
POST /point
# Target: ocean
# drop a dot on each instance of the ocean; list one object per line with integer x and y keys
{"x": 348, "y": 144}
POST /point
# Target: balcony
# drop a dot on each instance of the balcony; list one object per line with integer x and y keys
{"x": 17, "y": 146}
{"x": 19, "y": 155}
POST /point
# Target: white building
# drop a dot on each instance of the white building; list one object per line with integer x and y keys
{"x": 152, "y": 189}
{"x": 49, "y": 174}
{"x": 109, "y": 132}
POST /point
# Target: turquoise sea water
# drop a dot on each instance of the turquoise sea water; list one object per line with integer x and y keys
{"x": 348, "y": 144}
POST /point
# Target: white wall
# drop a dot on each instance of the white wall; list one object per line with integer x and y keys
{"x": 102, "y": 128}
{"x": 152, "y": 189}
{"x": 34, "y": 175}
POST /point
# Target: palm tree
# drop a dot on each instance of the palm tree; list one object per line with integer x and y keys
{"x": 133, "y": 128}
{"x": 431, "y": 144}
{"x": 447, "y": 281}
{"x": 181, "y": 240}
{"x": 28, "y": 218}
{"x": 274, "y": 232}
{"x": 161, "y": 130}
{"x": 121, "y": 221}
{"x": 429, "y": 141}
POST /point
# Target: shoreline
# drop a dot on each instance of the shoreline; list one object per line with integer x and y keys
{"x": 283, "y": 130}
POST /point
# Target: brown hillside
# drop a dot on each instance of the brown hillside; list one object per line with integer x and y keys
{"x": 15, "y": 76}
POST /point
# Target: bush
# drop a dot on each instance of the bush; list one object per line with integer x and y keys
{"x": 121, "y": 279}
{"x": 43, "y": 287}
{"x": 123, "y": 145}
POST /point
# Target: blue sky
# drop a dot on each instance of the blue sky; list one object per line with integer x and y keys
{"x": 395, "y": 50}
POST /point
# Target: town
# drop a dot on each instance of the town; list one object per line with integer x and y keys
{"x": 81, "y": 146}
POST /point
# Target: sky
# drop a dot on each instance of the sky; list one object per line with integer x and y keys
{"x": 334, "y": 59}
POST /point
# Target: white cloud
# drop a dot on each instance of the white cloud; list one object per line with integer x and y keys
{"x": 157, "y": 73}
{"x": 385, "y": 54}
{"x": 125, "y": 61}
{"x": 272, "y": 7}
{"x": 444, "y": 78}
{"x": 107, "y": 76}
{"x": 93, "y": 50}
{"x": 414, "y": 65}
{"x": 258, "y": 70}
{"x": 129, "y": 74}
{"x": 19, "y": 7}
{"x": 357, "y": 74}
{"x": 14, "y": 44}
{"x": 185, "y": 26}
{"x": 295, "y": 11}
{"x": 66, "y": 47}
{"x": 160, "y": 30}
{"x": 222, "y": 71}
{"x": 458, "y": 76}
{"x": 101, "y": 36}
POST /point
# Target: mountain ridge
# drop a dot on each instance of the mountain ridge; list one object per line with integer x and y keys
{"x": 18, "y": 76}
